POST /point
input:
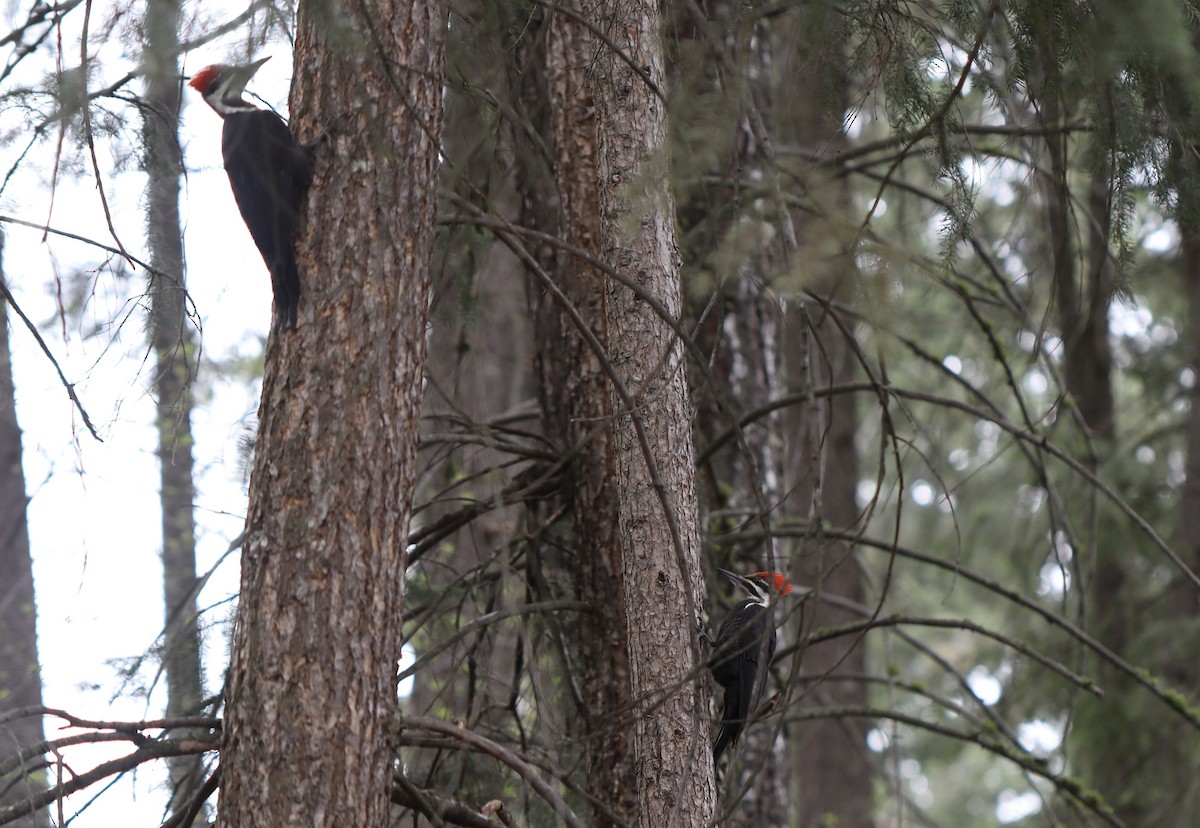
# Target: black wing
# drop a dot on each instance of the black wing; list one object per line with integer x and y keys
{"x": 742, "y": 636}
{"x": 268, "y": 173}
{"x": 744, "y": 649}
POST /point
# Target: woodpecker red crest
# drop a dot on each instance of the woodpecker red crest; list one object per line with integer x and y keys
{"x": 203, "y": 79}
{"x": 782, "y": 585}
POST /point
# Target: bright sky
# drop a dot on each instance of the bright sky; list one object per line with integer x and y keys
{"x": 94, "y": 516}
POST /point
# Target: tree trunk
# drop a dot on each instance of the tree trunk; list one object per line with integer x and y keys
{"x": 831, "y": 771}
{"x": 1185, "y": 600}
{"x": 654, "y": 459}
{"x": 312, "y": 688}
{"x": 20, "y": 682}
{"x": 175, "y": 368}
{"x": 575, "y": 403}
{"x": 739, "y": 250}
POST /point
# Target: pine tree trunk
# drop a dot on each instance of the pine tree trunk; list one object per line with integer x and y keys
{"x": 576, "y": 405}
{"x": 20, "y": 681}
{"x": 175, "y": 367}
{"x": 312, "y": 688}
{"x": 654, "y": 459}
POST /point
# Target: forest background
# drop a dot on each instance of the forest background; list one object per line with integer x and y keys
{"x": 902, "y": 300}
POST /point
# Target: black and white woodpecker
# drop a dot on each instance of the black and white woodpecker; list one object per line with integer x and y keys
{"x": 743, "y": 651}
{"x": 268, "y": 173}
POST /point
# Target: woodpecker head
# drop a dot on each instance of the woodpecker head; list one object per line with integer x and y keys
{"x": 222, "y": 85}
{"x": 759, "y": 585}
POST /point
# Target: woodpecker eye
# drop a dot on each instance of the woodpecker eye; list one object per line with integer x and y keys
{"x": 781, "y": 583}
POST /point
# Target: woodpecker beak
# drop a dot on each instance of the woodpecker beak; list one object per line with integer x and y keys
{"x": 733, "y": 576}
{"x": 743, "y": 583}
{"x": 241, "y": 75}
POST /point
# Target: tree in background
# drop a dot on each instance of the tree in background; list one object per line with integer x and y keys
{"x": 22, "y": 768}
{"x": 175, "y": 361}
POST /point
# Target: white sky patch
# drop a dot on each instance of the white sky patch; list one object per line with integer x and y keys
{"x": 1129, "y": 320}
{"x": 1001, "y": 193}
{"x": 1040, "y": 736}
{"x": 986, "y": 686}
{"x": 1036, "y": 382}
{"x": 408, "y": 657}
{"x": 878, "y": 740}
{"x": 1162, "y": 239}
{"x": 1054, "y": 580}
{"x": 1014, "y": 807}
{"x": 952, "y": 364}
{"x": 852, "y": 122}
{"x": 922, "y": 493}
{"x": 1014, "y": 268}
{"x": 865, "y": 491}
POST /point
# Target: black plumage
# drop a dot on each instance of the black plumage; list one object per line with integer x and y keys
{"x": 268, "y": 173}
{"x": 743, "y": 652}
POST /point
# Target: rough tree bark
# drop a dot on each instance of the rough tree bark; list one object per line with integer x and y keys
{"x": 654, "y": 459}
{"x": 312, "y": 688}
{"x": 175, "y": 367}
{"x": 576, "y": 405}
{"x": 20, "y": 682}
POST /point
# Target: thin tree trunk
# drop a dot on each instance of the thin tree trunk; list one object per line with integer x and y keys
{"x": 740, "y": 484}
{"x": 312, "y": 690}
{"x": 174, "y": 371}
{"x": 20, "y": 682}
{"x": 576, "y": 405}
{"x": 830, "y": 767}
{"x": 1185, "y": 600}
{"x": 654, "y": 458}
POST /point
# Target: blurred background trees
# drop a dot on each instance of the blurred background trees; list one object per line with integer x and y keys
{"x": 938, "y": 272}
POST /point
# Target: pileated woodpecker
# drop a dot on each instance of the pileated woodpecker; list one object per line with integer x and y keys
{"x": 268, "y": 173}
{"x": 743, "y": 651}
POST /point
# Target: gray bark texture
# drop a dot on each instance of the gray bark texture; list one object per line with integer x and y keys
{"x": 20, "y": 681}
{"x": 577, "y": 405}
{"x": 174, "y": 359}
{"x": 312, "y": 686}
{"x": 654, "y": 459}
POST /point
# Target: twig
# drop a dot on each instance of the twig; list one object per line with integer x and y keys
{"x": 195, "y": 803}
{"x": 8, "y": 297}
{"x": 497, "y": 751}
{"x": 437, "y": 806}
{"x": 152, "y": 750}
